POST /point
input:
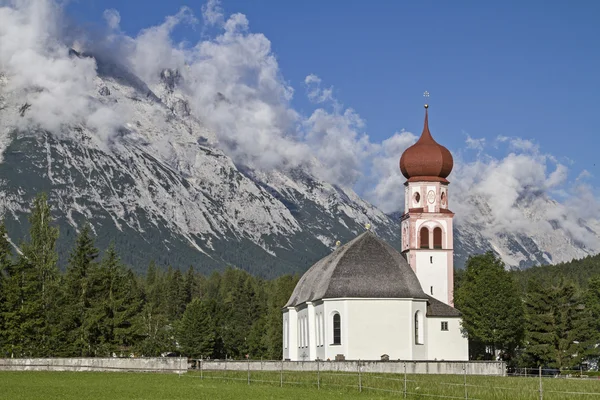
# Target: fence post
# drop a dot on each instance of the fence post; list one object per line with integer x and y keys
{"x": 359, "y": 377}
{"x": 179, "y": 372}
{"x": 318, "y": 376}
{"x": 248, "y": 358}
{"x": 404, "y": 380}
{"x": 281, "y": 375}
{"x": 465, "y": 373}
{"x": 541, "y": 387}
{"x": 201, "y": 375}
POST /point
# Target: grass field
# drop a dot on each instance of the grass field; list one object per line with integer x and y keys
{"x": 266, "y": 385}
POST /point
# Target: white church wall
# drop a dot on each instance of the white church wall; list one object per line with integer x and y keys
{"x": 447, "y": 345}
{"x": 321, "y": 329}
{"x": 286, "y": 334}
{"x": 432, "y": 271}
{"x": 419, "y": 347}
{"x": 303, "y": 329}
{"x": 292, "y": 351}
{"x": 374, "y": 327}
{"x": 331, "y": 307}
{"x": 312, "y": 331}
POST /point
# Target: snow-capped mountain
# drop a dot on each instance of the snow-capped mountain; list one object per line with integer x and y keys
{"x": 162, "y": 189}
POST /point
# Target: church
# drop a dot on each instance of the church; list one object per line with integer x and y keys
{"x": 367, "y": 301}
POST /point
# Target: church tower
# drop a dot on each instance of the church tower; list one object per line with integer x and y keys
{"x": 426, "y": 224}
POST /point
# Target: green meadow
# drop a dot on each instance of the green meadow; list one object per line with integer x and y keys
{"x": 296, "y": 385}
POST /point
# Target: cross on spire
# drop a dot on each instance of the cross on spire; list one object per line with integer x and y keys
{"x": 426, "y": 95}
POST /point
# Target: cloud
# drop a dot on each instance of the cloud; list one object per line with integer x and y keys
{"x": 212, "y": 13}
{"x": 236, "y": 88}
{"x": 112, "y": 18}
{"x": 475, "y": 144}
{"x": 314, "y": 91}
{"x": 388, "y": 193}
{"x": 53, "y": 82}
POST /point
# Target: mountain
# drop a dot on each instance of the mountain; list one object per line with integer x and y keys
{"x": 162, "y": 189}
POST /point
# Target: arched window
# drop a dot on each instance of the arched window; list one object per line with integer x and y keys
{"x": 437, "y": 238}
{"x": 418, "y": 328}
{"x": 424, "y": 234}
{"x": 337, "y": 329}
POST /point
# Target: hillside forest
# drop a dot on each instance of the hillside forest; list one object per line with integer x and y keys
{"x": 95, "y": 306}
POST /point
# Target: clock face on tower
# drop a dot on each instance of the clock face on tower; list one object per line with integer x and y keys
{"x": 431, "y": 197}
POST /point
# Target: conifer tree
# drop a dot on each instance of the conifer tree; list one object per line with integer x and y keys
{"x": 77, "y": 294}
{"x": 490, "y": 304}
{"x": 541, "y": 334}
{"x": 196, "y": 330}
{"x": 154, "y": 328}
{"x": 31, "y": 312}
{"x": 116, "y": 305}
{"x": 5, "y": 280}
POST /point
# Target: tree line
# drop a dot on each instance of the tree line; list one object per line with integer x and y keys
{"x": 548, "y": 316}
{"x": 99, "y": 307}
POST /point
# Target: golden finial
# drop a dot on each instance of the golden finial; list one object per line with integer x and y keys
{"x": 368, "y": 227}
{"x": 426, "y": 95}
{"x": 338, "y": 243}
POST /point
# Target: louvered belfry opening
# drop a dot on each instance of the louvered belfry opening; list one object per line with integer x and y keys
{"x": 424, "y": 238}
{"x": 437, "y": 238}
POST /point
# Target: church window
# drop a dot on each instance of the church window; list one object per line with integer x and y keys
{"x": 337, "y": 329}
{"x": 301, "y": 331}
{"x": 437, "y": 238}
{"x": 417, "y": 198}
{"x": 418, "y": 328}
{"x": 285, "y": 333}
{"x": 430, "y": 259}
{"x": 444, "y": 325}
{"x": 318, "y": 329}
{"x": 322, "y": 329}
{"x": 424, "y": 238}
{"x": 305, "y": 332}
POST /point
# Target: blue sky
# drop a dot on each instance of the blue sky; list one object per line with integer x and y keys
{"x": 504, "y": 68}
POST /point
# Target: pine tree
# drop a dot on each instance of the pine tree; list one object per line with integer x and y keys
{"x": 32, "y": 314}
{"x": 154, "y": 324}
{"x": 175, "y": 294}
{"x": 541, "y": 334}
{"x": 196, "y": 330}
{"x": 113, "y": 319}
{"x": 77, "y": 294}
{"x": 5, "y": 279}
{"x": 490, "y": 304}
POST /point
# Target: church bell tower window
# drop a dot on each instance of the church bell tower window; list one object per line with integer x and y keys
{"x": 424, "y": 238}
{"x": 437, "y": 238}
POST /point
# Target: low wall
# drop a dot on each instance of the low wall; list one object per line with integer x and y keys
{"x": 497, "y": 368}
{"x": 168, "y": 364}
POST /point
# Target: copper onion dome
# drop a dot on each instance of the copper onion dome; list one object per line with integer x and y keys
{"x": 426, "y": 160}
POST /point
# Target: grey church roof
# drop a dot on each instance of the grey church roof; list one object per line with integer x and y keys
{"x": 366, "y": 267}
{"x": 436, "y": 308}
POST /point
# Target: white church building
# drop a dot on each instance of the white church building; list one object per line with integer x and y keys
{"x": 366, "y": 300}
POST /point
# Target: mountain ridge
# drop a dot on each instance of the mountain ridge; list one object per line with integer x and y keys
{"x": 162, "y": 189}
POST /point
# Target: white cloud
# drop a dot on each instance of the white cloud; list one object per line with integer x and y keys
{"x": 212, "y": 13}
{"x": 112, "y": 18}
{"x": 475, "y": 144}
{"x": 236, "y": 88}
{"x": 388, "y": 193}
{"x": 40, "y": 67}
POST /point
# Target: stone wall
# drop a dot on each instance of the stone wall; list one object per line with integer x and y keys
{"x": 497, "y": 368}
{"x": 168, "y": 364}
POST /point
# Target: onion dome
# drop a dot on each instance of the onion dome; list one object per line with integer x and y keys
{"x": 426, "y": 160}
